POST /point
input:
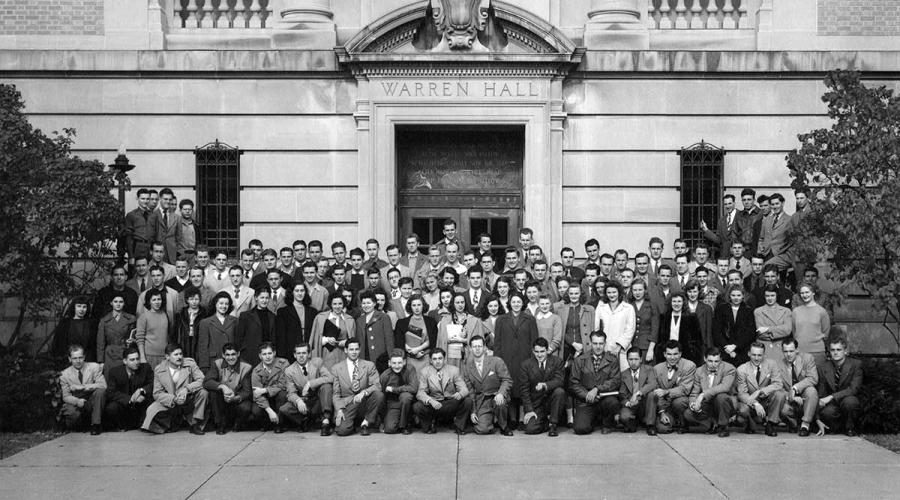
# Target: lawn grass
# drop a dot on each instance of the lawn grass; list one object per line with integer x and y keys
{"x": 889, "y": 441}
{"x": 14, "y": 442}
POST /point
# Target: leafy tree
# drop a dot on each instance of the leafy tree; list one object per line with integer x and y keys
{"x": 852, "y": 171}
{"x": 58, "y": 219}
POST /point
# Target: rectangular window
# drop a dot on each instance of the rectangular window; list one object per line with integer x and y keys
{"x": 701, "y": 189}
{"x": 218, "y": 195}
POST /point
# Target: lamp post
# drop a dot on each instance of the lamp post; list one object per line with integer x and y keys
{"x": 122, "y": 167}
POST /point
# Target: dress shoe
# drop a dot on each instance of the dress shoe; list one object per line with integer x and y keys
{"x": 197, "y": 430}
{"x": 553, "y": 431}
{"x": 405, "y": 431}
{"x": 95, "y": 430}
{"x": 506, "y": 432}
{"x": 327, "y": 429}
{"x": 431, "y": 430}
{"x": 364, "y": 430}
{"x": 220, "y": 431}
{"x": 712, "y": 429}
{"x": 749, "y": 429}
{"x": 651, "y": 431}
{"x": 770, "y": 429}
{"x": 605, "y": 430}
{"x": 804, "y": 432}
{"x": 723, "y": 431}
{"x": 521, "y": 426}
{"x": 279, "y": 429}
{"x": 851, "y": 432}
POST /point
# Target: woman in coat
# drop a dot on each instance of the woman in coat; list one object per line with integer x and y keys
{"x": 187, "y": 321}
{"x": 701, "y": 310}
{"x": 293, "y": 323}
{"x": 215, "y": 331}
{"x": 375, "y": 331}
{"x": 417, "y": 333}
{"x": 455, "y": 330}
{"x": 114, "y": 331}
{"x": 75, "y": 328}
{"x": 773, "y": 323}
{"x": 618, "y": 320}
{"x": 330, "y": 331}
{"x": 678, "y": 324}
{"x": 734, "y": 327}
{"x": 492, "y": 310}
{"x": 255, "y": 327}
{"x": 516, "y": 331}
{"x": 646, "y": 321}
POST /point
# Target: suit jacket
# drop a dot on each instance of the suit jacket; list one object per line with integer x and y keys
{"x": 165, "y": 389}
{"x": 182, "y": 245}
{"x": 646, "y": 324}
{"x": 682, "y": 382}
{"x": 120, "y": 386}
{"x": 216, "y": 280}
{"x": 780, "y": 323}
{"x": 289, "y": 331}
{"x": 476, "y": 309}
{"x": 770, "y": 379}
{"x": 376, "y": 337}
{"x": 658, "y": 298}
{"x": 138, "y": 233}
{"x": 531, "y": 375}
{"x": 723, "y": 382}
{"x": 725, "y": 234}
{"x": 584, "y": 379}
{"x": 245, "y": 301}
{"x": 420, "y": 262}
{"x": 273, "y": 380}
{"x": 849, "y": 384}
{"x": 341, "y": 379}
{"x": 741, "y": 331}
{"x": 704, "y": 314}
{"x": 249, "y": 334}
{"x": 689, "y": 336}
{"x": 646, "y": 383}
{"x": 776, "y": 237}
{"x": 91, "y": 379}
{"x": 804, "y": 369}
{"x": 212, "y": 335}
{"x": 431, "y": 388}
{"x": 494, "y": 379}
{"x": 318, "y": 297}
{"x": 512, "y": 341}
{"x": 406, "y": 381}
{"x": 398, "y": 308}
{"x": 316, "y": 376}
{"x": 165, "y": 233}
{"x": 586, "y": 325}
{"x": 240, "y": 383}
{"x": 287, "y": 283}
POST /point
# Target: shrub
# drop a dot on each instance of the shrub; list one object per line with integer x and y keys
{"x": 29, "y": 391}
{"x": 880, "y": 397}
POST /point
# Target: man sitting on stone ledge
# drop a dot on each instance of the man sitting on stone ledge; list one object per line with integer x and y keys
{"x": 178, "y": 393}
{"x": 83, "y": 391}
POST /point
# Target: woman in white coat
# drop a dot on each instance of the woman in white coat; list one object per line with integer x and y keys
{"x": 617, "y": 318}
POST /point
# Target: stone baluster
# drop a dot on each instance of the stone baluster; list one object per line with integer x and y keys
{"x": 652, "y": 23}
{"x": 680, "y": 18}
{"x": 240, "y": 10}
{"x": 256, "y": 14}
{"x": 209, "y": 19}
{"x": 665, "y": 20}
{"x": 696, "y": 10}
{"x": 712, "y": 21}
{"x": 743, "y": 20}
{"x": 728, "y": 22}
{"x": 192, "y": 21}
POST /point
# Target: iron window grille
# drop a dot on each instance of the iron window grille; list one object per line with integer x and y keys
{"x": 702, "y": 168}
{"x": 218, "y": 168}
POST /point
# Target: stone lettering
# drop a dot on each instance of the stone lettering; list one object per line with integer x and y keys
{"x": 451, "y": 89}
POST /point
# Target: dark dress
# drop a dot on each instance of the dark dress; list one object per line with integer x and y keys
{"x": 186, "y": 334}
{"x": 740, "y": 332}
{"x": 251, "y": 332}
{"x": 689, "y": 336}
{"x": 513, "y": 337}
{"x": 71, "y": 331}
{"x": 290, "y": 332}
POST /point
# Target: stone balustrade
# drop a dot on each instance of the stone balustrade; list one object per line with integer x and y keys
{"x": 698, "y": 14}
{"x": 222, "y": 14}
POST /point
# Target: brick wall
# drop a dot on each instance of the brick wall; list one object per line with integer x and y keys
{"x": 51, "y": 17}
{"x": 859, "y": 17}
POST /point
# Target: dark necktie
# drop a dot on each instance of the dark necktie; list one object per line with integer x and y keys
{"x": 143, "y": 284}
{"x": 305, "y": 371}
{"x": 738, "y": 265}
{"x": 80, "y": 377}
{"x": 758, "y": 376}
{"x": 793, "y": 374}
{"x": 837, "y": 376}
{"x": 775, "y": 221}
{"x": 166, "y": 219}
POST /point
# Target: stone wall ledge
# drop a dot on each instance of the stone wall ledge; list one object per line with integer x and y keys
{"x": 325, "y": 61}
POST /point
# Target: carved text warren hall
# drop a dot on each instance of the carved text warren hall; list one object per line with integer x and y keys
{"x": 457, "y": 89}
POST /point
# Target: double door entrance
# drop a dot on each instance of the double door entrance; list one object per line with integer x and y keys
{"x": 470, "y": 174}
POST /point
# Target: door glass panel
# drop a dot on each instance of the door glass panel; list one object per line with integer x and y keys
{"x": 500, "y": 232}
{"x": 477, "y": 226}
{"x": 422, "y": 227}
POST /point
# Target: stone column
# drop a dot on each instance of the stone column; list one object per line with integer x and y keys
{"x": 616, "y": 24}
{"x": 306, "y": 24}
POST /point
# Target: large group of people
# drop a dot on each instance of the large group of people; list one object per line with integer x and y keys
{"x": 734, "y": 332}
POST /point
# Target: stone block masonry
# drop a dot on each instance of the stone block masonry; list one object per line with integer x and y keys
{"x": 51, "y": 17}
{"x": 858, "y": 17}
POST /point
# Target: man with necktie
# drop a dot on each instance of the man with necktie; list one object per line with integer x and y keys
{"x": 840, "y": 379}
{"x": 357, "y": 393}
{"x": 674, "y": 383}
{"x": 442, "y": 393}
{"x": 83, "y": 391}
{"x": 712, "y": 401}
{"x": 543, "y": 393}
{"x": 489, "y": 383}
{"x": 760, "y": 390}
{"x": 638, "y": 381}
{"x": 309, "y": 392}
{"x": 800, "y": 380}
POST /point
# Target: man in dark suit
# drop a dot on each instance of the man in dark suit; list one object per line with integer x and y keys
{"x": 228, "y": 385}
{"x": 734, "y": 327}
{"x": 400, "y": 383}
{"x": 674, "y": 383}
{"x": 840, "y": 379}
{"x": 638, "y": 381}
{"x": 476, "y": 295}
{"x": 543, "y": 395}
{"x": 164, "y": 222}
{"x": 357, "y": 392}
{"x": 489, "y": 383}
{"x": 129, "y": 391}
{"x": 594, "y": 383}
{"x": 731, "y": 226}
{"x": 711, "y": 395}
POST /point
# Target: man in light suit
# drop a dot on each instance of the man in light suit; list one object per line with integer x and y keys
{"x": 442, "y": 393}
{"x": 543, "y": 393}
{"x": 157, "y": 258}
{"x": 775, "y": 239}
{"x": 400, "y": 383}
{"x": 309, "y": 392}
{"x": 413, "y": 259}
{"x": 638, "y": 381}
{"x": 318, "y": 295}
{"x": 217, "y": 274}
{"x": 476, "y": 295}
{"x": 760, "y": 390}
{"x": 178, "y": 393}
{"x": 164, "y": 222}
{"x": 488, "y": 382}
{"x": 242, "y": 296}
{"x": 357, "y": 392}
{"x": 840, "y": 379}
{"x": 157, "y": 281}
{"x": 711, "y": 396}
{"x": 83, "y": 391}
{"x": 674, "y": 383}
{"x": 655, "y": 259}
{"x": 801, "y": 377}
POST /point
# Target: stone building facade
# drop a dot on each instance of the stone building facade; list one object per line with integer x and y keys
{"x": 577, "y": 118}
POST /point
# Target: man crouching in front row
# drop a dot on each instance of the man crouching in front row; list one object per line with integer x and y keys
{"x": 178, "y": 393}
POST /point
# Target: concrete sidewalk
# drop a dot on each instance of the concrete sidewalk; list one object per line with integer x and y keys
{"x": 290, "y": 465}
